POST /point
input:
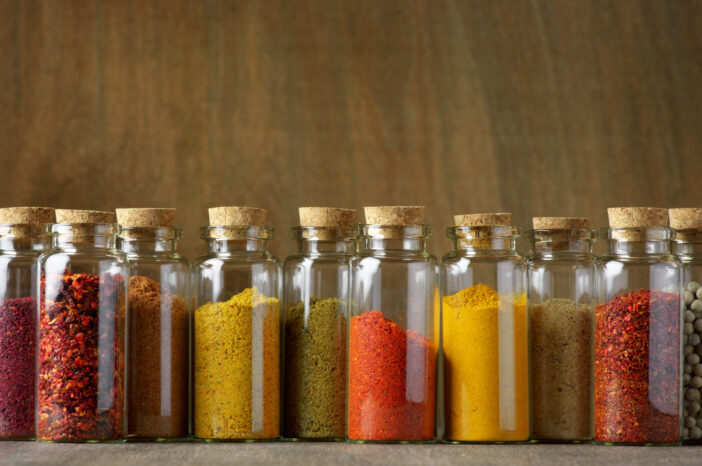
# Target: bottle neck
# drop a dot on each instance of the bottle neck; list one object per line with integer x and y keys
{"x": 639, "y": 242}
{"x": 149, "y": 241}
{"x": 237, "y": 239}
{"x": 564, "y": 243}
{"x": 483, "y": 240}
{"x": 403, "y": 239}
{"x": 25, "y": 238}
{"x": 225, "y": 246}
{"x": 85, "y": 235}
{"x": 683, "y": 248}
{"x": 311, "y": 247}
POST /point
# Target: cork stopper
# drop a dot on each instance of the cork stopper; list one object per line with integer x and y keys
{"x": 237, "y": 216}
{"x": 483, "y": 220}
{"x": 560, "y": 223}
{"x": 84, "y": 216}
{"x": 327, "y": 217}
{"x": 637, "y": 217}
{"x": 685, "y": 218}
{"x": 394, "y": 215}
{"x": 146, "y": 217}
{"x": 10, "y": 215}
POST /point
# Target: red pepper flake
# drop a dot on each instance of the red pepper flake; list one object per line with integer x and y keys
{"x": 81, "y": 358}
{"x": 392, "y": 380}
{"x": 17, "y": 368}
{"x": 637, "y": 368}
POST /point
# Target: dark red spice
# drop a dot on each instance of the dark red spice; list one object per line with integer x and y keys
{"x": 81, "y": 357}
{"x": 17, "y": 368}
{"x": 637, "y": 373}
{"x": 392, "y": 381}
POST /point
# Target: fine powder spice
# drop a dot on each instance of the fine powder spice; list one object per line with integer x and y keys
{"x": 561, "y": 377}
{"x": 158, "y": 361}
{"x": 315, "y": 375}
{"x": 637, "y": 373}
{"x": 485, "y": 366}
{"x": 392, "y": 381}
{"x": 236, "y": 368}
{"x": 17, "y": 367}
{"x": 81, "y": 358}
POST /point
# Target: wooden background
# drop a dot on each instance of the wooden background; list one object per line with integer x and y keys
{"x": 542, "y": 107}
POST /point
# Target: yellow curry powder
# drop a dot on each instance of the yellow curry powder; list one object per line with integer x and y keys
{"x": 236, "y": 368}
{"x": 485, "y": 362}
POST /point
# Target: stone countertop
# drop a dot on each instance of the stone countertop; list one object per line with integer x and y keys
{"x": 311, "y": 454}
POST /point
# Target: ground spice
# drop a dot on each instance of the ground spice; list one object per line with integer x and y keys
{"x": 236, "y": 368}
{"x": 81, "y": 358}
{"x": 561, "y": 370}
{"x": 392, "y": 381}
{"x": 17, "y": 367}
{"x": 637, "y": 368}
{"x": 315, "y": 369}
{"x": 158, "y": 361}
{"x": 485, "y": 366}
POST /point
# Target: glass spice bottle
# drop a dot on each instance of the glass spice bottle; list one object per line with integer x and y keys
{"x": 561, "y": 298}
{"x": 236, "y": 332}
{"x": 158, "y": 325}
{"x": 24, "y": 235}
{"x": 317, "y": 281}
{"x": 393, "y": 337}
{"x": 484, "y": 332}
{"x": 687, "y": 246}
{"x": 81, "y": 335}
{"x": 637, "y": 332}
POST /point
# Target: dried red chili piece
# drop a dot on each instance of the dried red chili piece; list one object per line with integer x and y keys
{"x": 17, "y": 368}
{"x": 637, "y": 368}
{"x": 81, "y": 358}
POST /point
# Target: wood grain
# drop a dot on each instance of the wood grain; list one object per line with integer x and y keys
{"x": 542, "y": 107}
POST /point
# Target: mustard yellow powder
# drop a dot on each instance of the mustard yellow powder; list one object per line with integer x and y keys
{"x": 236, "y": 368}
{"x": 485, "y": 365}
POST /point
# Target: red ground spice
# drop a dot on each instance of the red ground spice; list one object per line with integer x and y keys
{"x": 81, "y": 326}
{"x": 392, "y": 381}
{"x": 17, "y": 368}
{"x": 637, "y": 368}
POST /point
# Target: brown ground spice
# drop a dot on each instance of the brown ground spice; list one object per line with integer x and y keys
{"x": 315, "y": 369}
{"x": 561, "y": 365}
{"x": 158, "y": 361}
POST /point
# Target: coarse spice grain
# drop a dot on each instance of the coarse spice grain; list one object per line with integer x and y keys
{"x": 17, "y": 367}
{"x": 637, "y": 368}
{"x": 561, "y": 370}
{"x": 81, "y": 357}
{"x": 315, "y": 369}
{"x": 236, "y": 368}
{"x": 486, "y": 379}
{"x": 158, "y": 361}
{"x": 392, "y": 381}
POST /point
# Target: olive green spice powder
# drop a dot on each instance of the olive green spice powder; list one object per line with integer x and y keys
{"x": 315, "y": 369}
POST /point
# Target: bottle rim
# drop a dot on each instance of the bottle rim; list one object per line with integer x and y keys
{"x": 85, "y": 229}
{"x": 236, "y": 232}
{"x": 483, "y": 232}
{"x": 377, "y": 231}
{"x": 561, "y": 234}
{"x": 324, "y": 233}
{"x": 155, "y": 233}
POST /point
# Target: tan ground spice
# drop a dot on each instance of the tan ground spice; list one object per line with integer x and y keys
{"x": 561, "y": 370}
{"x": 315, "y": 369}
{"x": 158, "y": 361}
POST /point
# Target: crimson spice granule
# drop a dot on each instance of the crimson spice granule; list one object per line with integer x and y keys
{"x": 17, "y": 368}
{"x": 81, "y": 357}
{"x": 392, "y": 381}
{"x": 637, "y": 368}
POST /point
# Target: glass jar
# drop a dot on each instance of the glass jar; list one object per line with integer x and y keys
{"x": 24, "y": 235}
{"x": 484, "y": 332}
{"x": 638, "y": 332}
{"x": 236, "y": 339}
{"x": 158, "y": 325}
{"x": 317, "y": 281}
{"x": 82, "y": 331}
{"x": 687, "y": 247}
{"x": 561, "y": 270}
{"x": 392, "y": 340}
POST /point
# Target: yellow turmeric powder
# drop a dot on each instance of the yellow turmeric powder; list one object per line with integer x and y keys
{"x": 485, "y": 365}
{"x": 236, "y": 368}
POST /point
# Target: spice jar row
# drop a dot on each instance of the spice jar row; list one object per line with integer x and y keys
{"x": 369, "y": 330}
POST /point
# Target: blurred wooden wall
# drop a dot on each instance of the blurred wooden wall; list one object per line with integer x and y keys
{"x": 543, "y": 107}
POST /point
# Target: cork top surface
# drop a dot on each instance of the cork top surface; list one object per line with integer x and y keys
{"x": 637, "y": 217}
{"x": 560, "y": 223}
{"x": 146, "y": 217}
{"x": 327, "y": 217}
{"x": 483, "y": 220}
{"x": 685, "y": 218}
{"x": 237, "y": 216}
{"x": 394, "y": 215}
{"x": 9, "y": 215}
{"x": 84, "y": 216}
